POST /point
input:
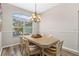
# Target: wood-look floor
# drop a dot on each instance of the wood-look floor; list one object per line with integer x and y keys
{"x": 15, "y": 51}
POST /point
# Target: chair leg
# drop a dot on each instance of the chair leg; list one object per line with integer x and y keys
{"x": 22, "y": 51}
{"x": 42, "y": 51}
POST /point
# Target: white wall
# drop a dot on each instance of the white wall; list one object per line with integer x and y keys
{"x": 0, "y": 41}
{"x": 0, "y": 34}
{"x": 7, "y": 28}
{"x": 0, "y": 44}
{"x": 62, "y": 22}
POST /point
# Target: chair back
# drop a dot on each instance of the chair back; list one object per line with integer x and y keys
{"x": 60, "y": 47}
{"x": 57, "y": 48}
{"x": 61, "y": 44}
{"x": 25, "y": 44}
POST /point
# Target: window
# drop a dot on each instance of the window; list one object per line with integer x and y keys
{"x": 21, "y": 24}
{"x": 0, "y": 11}
{"x": 0, "y": 16}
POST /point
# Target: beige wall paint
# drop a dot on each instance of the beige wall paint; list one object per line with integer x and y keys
{"x": 0, "y": 25}
{"x": 0, "y": 41}
{"x": 7, "y": 28}
{"x": 62, "y": 22}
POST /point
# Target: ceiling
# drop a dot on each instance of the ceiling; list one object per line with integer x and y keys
{"x": 41, "y": 7}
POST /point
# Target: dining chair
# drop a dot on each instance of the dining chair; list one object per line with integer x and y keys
{"x": 59, "y": 47}
{"x": 54, "y": 50}
{"x": 27, "y": 49}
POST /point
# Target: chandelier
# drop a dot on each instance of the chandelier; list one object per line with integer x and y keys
{"x": 35, "y": 16}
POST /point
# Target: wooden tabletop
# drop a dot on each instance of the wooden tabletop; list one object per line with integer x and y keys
{"x": 43, "y": 42}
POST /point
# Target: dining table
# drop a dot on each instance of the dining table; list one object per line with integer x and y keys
{"x": 43, "y": 42}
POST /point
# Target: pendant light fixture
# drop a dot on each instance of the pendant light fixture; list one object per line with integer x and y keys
{"x": 35, "y": 16}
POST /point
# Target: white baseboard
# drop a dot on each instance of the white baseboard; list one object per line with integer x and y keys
{"x": 11, "y": 45}
{"x": 71, "y": 50}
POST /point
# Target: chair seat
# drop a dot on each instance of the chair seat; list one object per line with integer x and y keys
{"x": 52, "y": 49}
{"x": 49, "y": 52}
{"x": 34, "y": 49}
{"x": 32, "y": 46}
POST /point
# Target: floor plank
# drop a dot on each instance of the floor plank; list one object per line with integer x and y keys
{"x": 15, "y": 51}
